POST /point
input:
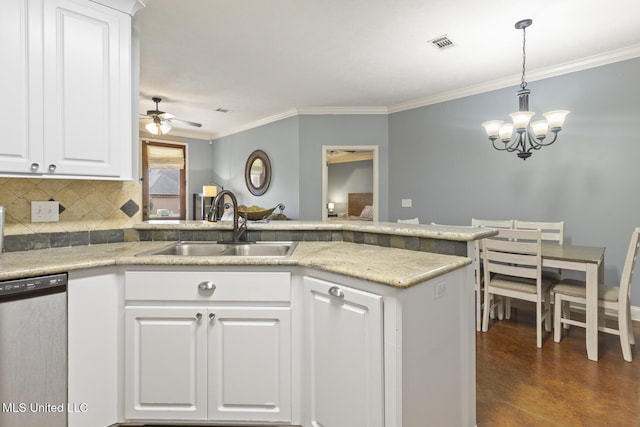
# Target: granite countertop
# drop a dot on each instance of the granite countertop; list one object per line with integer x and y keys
{"x": 389, "y": 266}
{"x": 445, "y": 232}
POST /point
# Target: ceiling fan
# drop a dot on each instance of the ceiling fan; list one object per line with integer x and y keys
{"x": 160, "y": 123}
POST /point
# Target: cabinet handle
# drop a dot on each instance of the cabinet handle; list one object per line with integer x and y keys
{"x": 34, "y": 167}
{"x": 198, "y": 316}
{"x": 52, "y": 168}
{"x": 206, "y": 286}
{"x": 212, "y": 316}
{"x": 336, "y": 292}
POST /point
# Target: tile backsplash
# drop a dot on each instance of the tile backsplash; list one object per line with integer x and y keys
{"x": 85, "y": 205}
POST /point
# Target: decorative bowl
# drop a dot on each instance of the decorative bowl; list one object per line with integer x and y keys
{"x": 254, "y": 213}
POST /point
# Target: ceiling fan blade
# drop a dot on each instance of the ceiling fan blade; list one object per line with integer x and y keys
{"x": 175, "y": 119}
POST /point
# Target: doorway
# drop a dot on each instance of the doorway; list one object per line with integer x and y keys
{"x": 348, "y": 169}
{"x": 163, "y": 181}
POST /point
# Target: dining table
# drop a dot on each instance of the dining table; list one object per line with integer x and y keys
{"x": 587, "y": 259}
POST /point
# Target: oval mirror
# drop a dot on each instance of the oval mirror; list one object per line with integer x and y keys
{"x": 257, "y": 173}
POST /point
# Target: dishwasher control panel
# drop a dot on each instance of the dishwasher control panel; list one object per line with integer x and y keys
{"x": 41, "y": 284}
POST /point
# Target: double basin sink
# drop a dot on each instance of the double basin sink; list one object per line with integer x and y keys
{"x": 264, "y": 249}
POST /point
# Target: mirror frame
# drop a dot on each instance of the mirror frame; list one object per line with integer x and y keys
{"x": 257, "y": 155}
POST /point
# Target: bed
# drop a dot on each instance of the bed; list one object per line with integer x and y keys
{"x": 359, "y": 208}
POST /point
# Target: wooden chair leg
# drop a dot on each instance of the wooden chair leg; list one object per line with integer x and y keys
{"x": 488, "y": 307}
{"x": 557, "y": 328}
{"x": 566, "y": 313}
{"x": 632, "y": 339}
{"x": 623, "y": 327}
{"x": 548, "y": 313}
{"x": 539, "y": 322}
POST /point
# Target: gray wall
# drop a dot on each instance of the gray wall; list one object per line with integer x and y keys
{"x": 348, "y": 177}
{"x": 440, "y": 157}
{"x": 280, "y": 141}
{"x": 316, "y": 131}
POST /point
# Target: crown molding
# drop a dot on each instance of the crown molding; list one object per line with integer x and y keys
{"x": 311, "y": 111}
{"x": 585, "y": 63}
{"x": 581, "y": 64}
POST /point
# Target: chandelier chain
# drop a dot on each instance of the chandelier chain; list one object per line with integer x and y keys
{"x": 523, "y": 82}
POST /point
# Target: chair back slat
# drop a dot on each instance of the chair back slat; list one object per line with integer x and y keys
{"x": 551, "y": 231}
{"x": 492, "y": 223}
{"x": 514, "y": 253}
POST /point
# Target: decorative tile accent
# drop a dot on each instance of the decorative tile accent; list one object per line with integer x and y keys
{"x": 130, "y": 208}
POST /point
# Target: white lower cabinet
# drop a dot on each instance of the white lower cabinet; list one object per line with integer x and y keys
{"x": 208, "y": 355}
{"x": 344, "y": 355}
{"x": 249, "y": 364}
{"x": 166, "y": 362}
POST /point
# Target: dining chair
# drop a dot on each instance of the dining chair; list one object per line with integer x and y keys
{"x": 552, "y": 232}
{"x": 613, "y": 298}
{"x": 512, "y": 263}
{"x": 409, "y": 221}
{"x": 477, "y": 262}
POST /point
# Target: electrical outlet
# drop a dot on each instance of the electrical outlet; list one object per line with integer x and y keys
{"x": 45, "y": 211}
{"x": 406, "y": 203}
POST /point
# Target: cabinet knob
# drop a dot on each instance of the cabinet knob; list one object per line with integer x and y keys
{"x": 34, "y": 167}
{"x": 336, "y": 292}
{"x": 212, "y": 316}
{"x": 198, "y": 316}
{"x": 52, "y": 168}
{"x": 206, "y": 286}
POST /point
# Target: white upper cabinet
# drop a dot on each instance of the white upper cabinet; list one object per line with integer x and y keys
{"x": 21, "y": 85}
{"x": 69, "y": 89}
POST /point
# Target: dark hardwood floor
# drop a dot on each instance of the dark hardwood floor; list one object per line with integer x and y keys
{"x": 521, "y": 385}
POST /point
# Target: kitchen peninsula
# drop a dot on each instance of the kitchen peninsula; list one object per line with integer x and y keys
{"x": 360, "y": 325}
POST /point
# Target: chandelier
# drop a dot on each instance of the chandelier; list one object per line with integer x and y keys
{"x": 522, "y": 136}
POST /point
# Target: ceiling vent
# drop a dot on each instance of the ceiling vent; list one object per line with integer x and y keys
{"x": 442, "y": 42}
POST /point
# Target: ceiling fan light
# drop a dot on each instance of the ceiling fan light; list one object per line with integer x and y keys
{"x": 521, "y": 119}
{"x": 556, "y": 118}
{"x": 152, "y": 128}
{"x": 156, "y": 128}
{"x": 165, "y": 128}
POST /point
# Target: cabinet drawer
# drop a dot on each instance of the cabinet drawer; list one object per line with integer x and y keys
{"x": 229, "y": 286}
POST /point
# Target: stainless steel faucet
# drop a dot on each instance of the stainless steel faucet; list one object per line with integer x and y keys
{"x": 213, "y": 215}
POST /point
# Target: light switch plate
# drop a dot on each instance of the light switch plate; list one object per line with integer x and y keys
{"x": 406, "y": 203}
{"x": 45, "y": 211}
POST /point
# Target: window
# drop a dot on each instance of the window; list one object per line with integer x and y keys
{"x": 164, "y": 180}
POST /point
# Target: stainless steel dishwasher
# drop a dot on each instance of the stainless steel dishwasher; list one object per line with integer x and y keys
{"x": 33, "y": 352}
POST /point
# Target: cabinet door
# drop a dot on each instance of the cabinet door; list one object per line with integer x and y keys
{"x": 344, "y": 355}
{"x": 20, "y": 85}
{"x": 87, "y": 89}
{"x": 165, "y": 363}
{"x": 250, "y": 364}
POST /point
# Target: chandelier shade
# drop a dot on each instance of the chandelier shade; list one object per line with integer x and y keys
{"x": 521, "y": 135}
